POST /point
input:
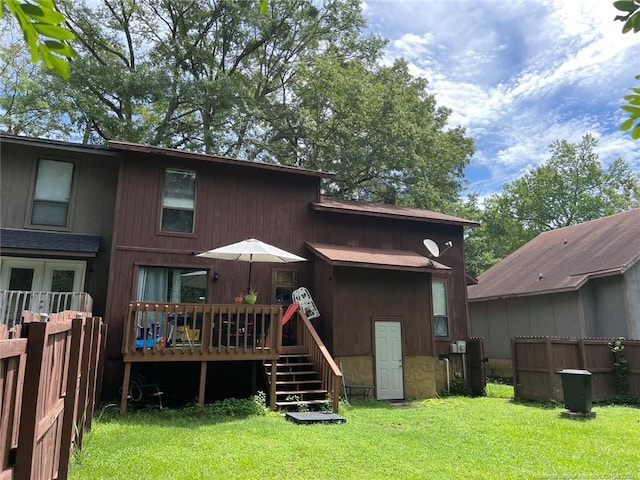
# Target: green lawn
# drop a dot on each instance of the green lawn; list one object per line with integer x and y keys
{"x": 455, "y": 437}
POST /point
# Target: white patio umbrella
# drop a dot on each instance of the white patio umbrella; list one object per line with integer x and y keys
{"x": 252, "y": 250}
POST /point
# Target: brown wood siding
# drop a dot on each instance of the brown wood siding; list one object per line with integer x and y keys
{"x": 91, "y": 205}
{"x": 362, "y": 294}
{"x": 323, "y": 293}
{"x": 373, "y": 232}
{"x": 232, "y": 204}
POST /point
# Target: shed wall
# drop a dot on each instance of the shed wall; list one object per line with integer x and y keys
{"x": 632, "y": 291}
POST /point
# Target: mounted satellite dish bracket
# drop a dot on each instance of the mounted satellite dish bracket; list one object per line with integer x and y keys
{"x": 434, "y": 250}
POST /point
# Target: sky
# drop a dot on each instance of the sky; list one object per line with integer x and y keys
{"x": 518, "y": 75}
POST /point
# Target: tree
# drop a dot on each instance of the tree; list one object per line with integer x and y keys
{"x": 631, "y": 19}
{"x": 378, "y": 129}
{"x": 572, "y": 187}
{"x": 41, "y": 25}
{"x": 26, "y": 104}
{"x": 204, "y": 76}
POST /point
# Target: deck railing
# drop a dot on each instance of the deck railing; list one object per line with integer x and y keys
{"x": 330, "y": 374}
{"x": 188, "y": 331}
{"x": 14, "y": 302}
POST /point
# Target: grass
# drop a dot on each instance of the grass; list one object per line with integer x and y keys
{"x": 455, "y": 437}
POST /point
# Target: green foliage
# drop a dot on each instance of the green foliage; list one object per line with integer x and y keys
{"x": 631, "y": 19}
{"x": 622, "y": 393}
{"x": 457, "y": 388}
{"x": 43, "y": 32}
{"x": 378, "y": 129}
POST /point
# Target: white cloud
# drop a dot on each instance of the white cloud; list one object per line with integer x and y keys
{"x": 518, "y": 74}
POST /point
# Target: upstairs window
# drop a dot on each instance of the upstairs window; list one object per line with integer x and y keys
{"x": 53, "y": 190}
{"x": 178, "y": 201}
{"x": 440, "y": 316}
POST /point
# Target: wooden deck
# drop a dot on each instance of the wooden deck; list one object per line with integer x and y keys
{"x": 196, "y": 332}
{"x": 158, "y": 332}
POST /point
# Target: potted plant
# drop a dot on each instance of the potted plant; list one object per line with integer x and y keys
{"x": 251, "y": 297}
{"x": 238, "y": 299}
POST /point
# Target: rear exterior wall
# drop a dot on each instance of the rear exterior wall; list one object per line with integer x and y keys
{"x": 91, "y": 206}
{"x": 232, "y": 203}
{"x": 383, "y": 233}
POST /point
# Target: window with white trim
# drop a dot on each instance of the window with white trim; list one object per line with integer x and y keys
{"x": 52, "y": 193}
{"x": 284, "y": 283}
{"x": 178, "y": 200}
{"x": 440, "y": 315}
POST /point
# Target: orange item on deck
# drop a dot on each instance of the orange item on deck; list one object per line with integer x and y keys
{"x": 293, "y": 308}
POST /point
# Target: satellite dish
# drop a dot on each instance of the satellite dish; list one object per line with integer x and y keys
{"x": 432, "y": 247}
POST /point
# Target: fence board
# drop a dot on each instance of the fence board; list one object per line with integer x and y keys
{"x": 536, "y": 361}
{"x": 40, "y": 377}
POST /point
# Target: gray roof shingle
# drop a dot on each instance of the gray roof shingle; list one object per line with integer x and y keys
{"x": 52, "y": 241}
{"x": 564, "y": 259}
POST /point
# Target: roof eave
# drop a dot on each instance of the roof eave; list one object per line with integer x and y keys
{"x": 183, "y": 154}
{"x": 318, "y": 206}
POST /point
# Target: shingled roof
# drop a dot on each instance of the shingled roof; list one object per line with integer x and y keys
{"x": 564, "y": 259}
{"x": 341, "y": 255}
{"x": 336, "y": 205}
{"x": 76, "y": 243}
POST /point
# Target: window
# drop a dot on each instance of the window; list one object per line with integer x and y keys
{"x": 285, "y": 281}
{"x": 440, "y": 318}
{"x": 53, "y": 189}
{"x": 179, "y": 285}
{"x": 178, "y": 201}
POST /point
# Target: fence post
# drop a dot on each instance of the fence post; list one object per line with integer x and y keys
{"x": 92, "y": 371}
{"x": 514, "y": 365}
{"x": 83, "y": 393}
{"x": 581, "y": 352}
{"x": 71, "y": 399}
{"x": 36, "y": 333}
{"x": 549, "y": 369}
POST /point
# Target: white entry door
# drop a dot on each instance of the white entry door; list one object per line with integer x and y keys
{"x": 389, "y": 378}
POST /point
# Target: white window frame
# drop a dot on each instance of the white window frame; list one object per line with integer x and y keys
{"x": 179, "y": 204}
{"x": 436, "y": 315}
{"x": 35, "y": 200}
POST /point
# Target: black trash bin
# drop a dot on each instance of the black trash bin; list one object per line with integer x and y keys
{"x": 576, "y": 388}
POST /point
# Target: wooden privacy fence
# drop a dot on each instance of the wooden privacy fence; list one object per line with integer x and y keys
{"x": 49, "y": 373}
{"x": 536, "y": 361}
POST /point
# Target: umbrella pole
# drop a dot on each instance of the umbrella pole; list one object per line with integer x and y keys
{"x": 250, "y": 267}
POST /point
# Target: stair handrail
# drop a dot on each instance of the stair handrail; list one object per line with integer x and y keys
{"x": 329, "y": 372}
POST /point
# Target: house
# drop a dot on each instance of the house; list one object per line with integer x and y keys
{"x": 57, "y": 202}
{"x": 389, "y": 312}
{"x": 577, "y": 281}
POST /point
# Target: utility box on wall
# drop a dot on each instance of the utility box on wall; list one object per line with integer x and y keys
{"x": 459, "y": 347}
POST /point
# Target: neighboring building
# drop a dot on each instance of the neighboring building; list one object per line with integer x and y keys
{"x": 578, "y": 281}
{"x": 56, "y": 218}
{"x": 388, "y": 312}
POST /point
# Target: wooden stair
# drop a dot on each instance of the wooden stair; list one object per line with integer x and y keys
{"x": 298, "y": 383}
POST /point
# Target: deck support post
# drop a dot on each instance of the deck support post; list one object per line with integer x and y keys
{"x": 203, "y": 383}
{"x": 125, "y": 388}
{"x": 272, "y": 383}
{"x": 253, "y": 376}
